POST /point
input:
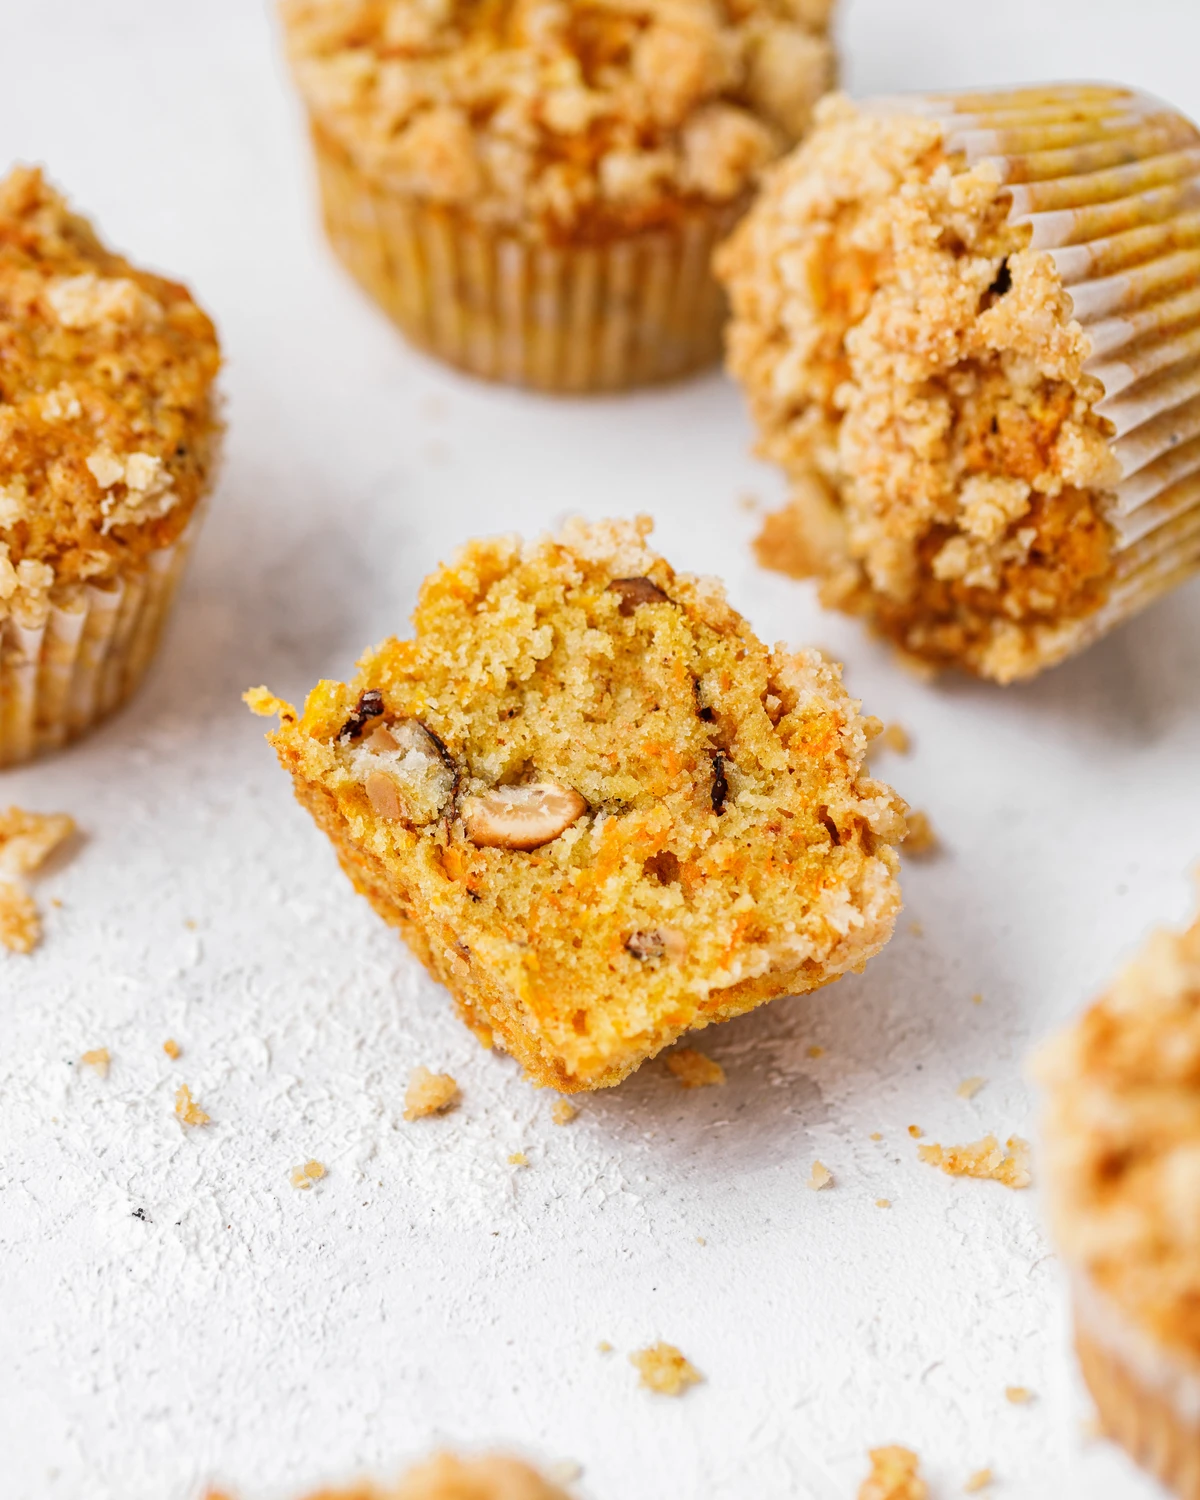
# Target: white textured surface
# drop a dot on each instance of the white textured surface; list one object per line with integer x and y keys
{"x": 426, "y": 1290}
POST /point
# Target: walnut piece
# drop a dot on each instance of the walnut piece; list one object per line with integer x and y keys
{"x": 635, "y": 591}
{"x": 407, "y": 773}
{"x": 521, "y": 817}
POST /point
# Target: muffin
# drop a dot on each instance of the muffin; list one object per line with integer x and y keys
{"x": 969, "y": 330}
{"x": 108, "y": 439}
{"x": 533, "y": 189}
{"x": 599, "y": 810}
{"x": 446, "y": 1477}
{"x": 1122, "y": 1159}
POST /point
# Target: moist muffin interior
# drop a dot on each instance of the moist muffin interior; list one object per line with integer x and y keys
{"x": 915, "y": 368}
{"x": 714, "y": 839}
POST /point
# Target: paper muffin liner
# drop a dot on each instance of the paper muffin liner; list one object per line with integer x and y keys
{"x": 1107, "y": 181}
{"x": 83, "y": 653}
{"x": 1144, "y": 1403}
{"x": 607, "y": 316}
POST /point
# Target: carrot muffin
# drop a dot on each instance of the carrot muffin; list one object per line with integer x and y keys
{"x": 108, "y": 439}
{"x": 446, "y": 1477}
{"x": 599, "y": 810}
{"x": 533, "y": 189}
{"x": 969, "y": 330}
{"x": 1122, "y": 1149}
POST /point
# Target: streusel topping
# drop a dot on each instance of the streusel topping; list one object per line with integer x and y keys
{"x": 1123, "y": 1140}
{"x": 107, "y": 421}
{"x": 591, "y": 116}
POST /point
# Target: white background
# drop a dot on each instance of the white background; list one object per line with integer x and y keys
{"x": 427, "y": 1291}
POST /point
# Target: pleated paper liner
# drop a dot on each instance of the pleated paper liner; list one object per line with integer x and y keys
{"x": 1107, "y": 181}
{"x": 633, "y": 311}
{"x": 83, "y": 654}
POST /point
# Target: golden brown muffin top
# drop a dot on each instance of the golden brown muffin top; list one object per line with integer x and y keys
{"x": 107, "y": 422}
{"x": 1123, "y": 1141}
{"x": 587, "y": 117}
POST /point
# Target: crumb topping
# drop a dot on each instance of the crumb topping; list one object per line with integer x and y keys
{"x": 1122, "y": 1140}
{"x": 663, "y": 1368}
{"x": 693, "y": 1069}
{"x": 985, "y": 1159}
{"x": 916, "y": 369}
{"x": 894, "y": 1476}
{"x": 429, "y": 1094}
{"x": 591, "y": 117}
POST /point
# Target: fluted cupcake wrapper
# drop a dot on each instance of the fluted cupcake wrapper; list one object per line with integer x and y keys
{"x": 633, "y": 310}
{"x": 83, "y": 654}
{"x": 1107, "y": 181}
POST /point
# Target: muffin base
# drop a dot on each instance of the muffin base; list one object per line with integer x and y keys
{"x": 635, "y": 310}
{"x": 63, "y": 673}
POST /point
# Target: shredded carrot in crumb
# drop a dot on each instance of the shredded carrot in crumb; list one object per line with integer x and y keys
{"x": 187, "y": 1111}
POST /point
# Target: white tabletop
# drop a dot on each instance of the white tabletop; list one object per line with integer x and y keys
{"x": 428, "y": 1291}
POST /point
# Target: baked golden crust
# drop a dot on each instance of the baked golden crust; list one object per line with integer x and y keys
{"x": 585, "y": 119}
{"x": 108, "y": 425}
{"x": 704, "y": 836}
{"x": 1122, "y": 1143}
{"x": 916, "y": 369}
{"x": 447, "y": 1477}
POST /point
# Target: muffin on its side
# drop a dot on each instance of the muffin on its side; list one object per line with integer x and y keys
{"x": 1122, "y": 1158}
{"x": 532, "y": 189}
{"x": 969, "y": 330}
{"x": 108, "y": 439}
{"x": 599, "y": 810}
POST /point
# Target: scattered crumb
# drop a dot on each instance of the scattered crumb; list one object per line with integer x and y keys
{"x": 916, "y": 928}
{"x": 693, "y": 1069}
{"x": 56, "y": 903}
{"x": 664, "y": 1369}
{"x": 916, "y": 1132}
{"x": 428, "y": 1093}
{"x": 1019, "y": 1395}
{"x": 264, "y": 703}
{"x": 187, "y": 1111}
{"x": 921, "y": 838}
{"x": 883, "y": 1203}
{"x": 27, "y": 839}
{"x": 976, "y": 999}
{"x": 816, "y": 1052}
{"x": 1091, "y": 1430}
{"x": 893, "y": 1476}
{"x": 819, "y": 1177}
{"x": 872, "y": 727}
{"x": 978, "y": 1481}
{"x": 304, "y": 1177}
{"x": 99, "y": 1059}
{"x": 876, "y": 1135}
{"x": 563, "y": 1112}
{"x": 172, "y": 1048}
{"x": 969, "y": 1087}
{"x": 604, "y": 1347}
{"x": 565, "y": 1471}
{"x": 896, "y": 737}
{"x": 700, "y": 1240}
{"x": 20, "y": 926}
{"x": 191, "y": 924}
{"x": 983, "y": 1159}
{"x": 518, "y": 1159}
{"x": 749, "y": 502}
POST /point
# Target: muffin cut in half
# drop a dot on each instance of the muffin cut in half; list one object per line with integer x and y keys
{"x": 533, "y": 190}
{"x": 969, "y": 329}
{"x": 598, "y": 809}
{"x": 1122, "y": 1157}
{"x": 109, "y": 432}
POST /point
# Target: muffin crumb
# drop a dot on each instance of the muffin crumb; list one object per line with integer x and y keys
{"x": 187, "y": 1111}
{"x": 604, "y": 1347}
{"x": 304, "y": 1177}
{"x": 883, "y": 1203}
{"x": 563, "y": 1112}
{"x": 820, "y": 1177}
{"x": 896, "y": 738}
{"x": 518, "y": 1159}
{"x": 983, "y": 1159}
{"x": 99, "y": 1059}
{"x": 429, "y": 1094}
{"x": 20, "y": 925}
{"x": 969, "y": 1087}
{"x": 1019, "y": 1395}
{"x": 27, "y": 839}
{"x": 693, "y": 1069}
{"x": 172, "y": 1048}
{"x": 980, "y": 1480}
{"x": 921, "y": 840}
{"x": 916, "y": 1132}
{"x": 663, "y": 1368}
{"x": 893, "y": 1476}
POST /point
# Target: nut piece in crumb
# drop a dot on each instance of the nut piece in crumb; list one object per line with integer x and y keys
{"x": 521, "y": 817}
{"x": 983, "y": 1159}
{"x": 304, "y": 1177}
{"x": 99, "y": 1059}
{"x": 518, "y": 1159}
{"x": 921, "y": 840}
{"x": 563, "y": 1112}
{"x": 1019, "y": 1395}
{"x": 635, "y": 591}
{"x": 693, "y": 1069}
{"x": 969, "y": 1087}
{"x": 429, "y": 1094}
{"x": 172, "y": 1048}
{"x": 820, "y": 1177}
{"x": 27, "y": 839}
{"x": 980, "y": 1480}
{"x": 664, "y": 1369}
{"x": 20, "y": 925}
{"x": 894, "y": 1476}
{"x": 187, "y": 1111}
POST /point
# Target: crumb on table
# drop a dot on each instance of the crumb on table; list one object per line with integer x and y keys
{"x": 187, "y": 1111}
{"x": 969, "y": 1087}
{"x": 518, "y": 1159}
{"x": 664, "y": 1369}
{"x": 984, "y": 1159}
{"x": 563, "y": 1112}
{"x": 883, "y": 1203}
{"x": 916, "y": 1132}
{"x": 20, "y": 926}
{"x": 820, "y": 1176}
{"x": 304, "y": 1177}
{"x": 693, "y": 1069}
{"x": 429, "y": 1093}
{"x": 894, "y": 1476}
{"x": 27, "y": 839}
{"x": 978, "y": 1481}
{"x": 896, "y": 737}
{"x": 99, "y": 1059}
{"x": 604, "y": 1347}
{"x": 1019, "y": 1395}
{"x": 921, "y": 838}
{"x": 815, "y": 1051}
{"x": 172, "y": 1048}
